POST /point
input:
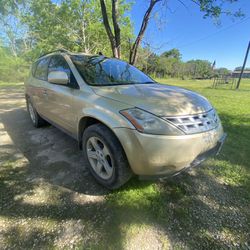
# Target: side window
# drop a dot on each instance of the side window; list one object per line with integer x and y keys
{"x": 58, "y": 63}
{"x": 41, "y": 71}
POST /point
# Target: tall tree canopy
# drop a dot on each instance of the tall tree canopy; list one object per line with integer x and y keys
{"x": 72, "y": 24}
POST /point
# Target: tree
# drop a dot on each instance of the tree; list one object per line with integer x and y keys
{"x": 221, "y": 72}
{"x": 210, "y": 8}
{"x": 14, "y": 33}
{"x": 75, "y": 25}
{"x": 9, "y": 6}
{"x": 199, "y": 69}
{"x": 114, "y": 34}
{"x": 144, "y": 24}
{"x": 115, "y": 39}
{"x": 12, "y": 68}
{"x": 173, "y": 53}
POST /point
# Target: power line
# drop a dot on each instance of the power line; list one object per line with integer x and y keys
{"x": 212, "y": 34}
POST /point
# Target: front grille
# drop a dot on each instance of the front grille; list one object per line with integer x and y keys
{"x": 192, "y": 124}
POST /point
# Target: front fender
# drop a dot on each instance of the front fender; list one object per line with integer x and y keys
{"x": 104, "y": 110}
{"x": 110, "y": 118}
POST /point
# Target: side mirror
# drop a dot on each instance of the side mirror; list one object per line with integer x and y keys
{"x": 58, "y": 77}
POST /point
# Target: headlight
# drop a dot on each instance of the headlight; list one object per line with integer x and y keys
{"x": 148, "y": 123}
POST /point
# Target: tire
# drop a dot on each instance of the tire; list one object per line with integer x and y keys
{"x": 35, "y": 118}
{"x": 97, "y": 135}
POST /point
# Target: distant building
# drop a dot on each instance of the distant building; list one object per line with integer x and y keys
{"x": 237, "y": 71}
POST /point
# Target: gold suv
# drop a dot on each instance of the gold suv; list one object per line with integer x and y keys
{"x": 124, "y": 121}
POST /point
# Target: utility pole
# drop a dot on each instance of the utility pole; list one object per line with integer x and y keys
{"x": 243, "y": 67}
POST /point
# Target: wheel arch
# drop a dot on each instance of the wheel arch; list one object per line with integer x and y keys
{"x": 84, "y": 123}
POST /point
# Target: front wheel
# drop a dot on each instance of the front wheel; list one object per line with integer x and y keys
{"x": 105, "y": 157}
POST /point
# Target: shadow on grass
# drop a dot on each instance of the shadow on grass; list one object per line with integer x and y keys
{"x": 190, "y": 211}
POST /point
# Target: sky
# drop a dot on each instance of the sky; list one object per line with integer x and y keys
{"x": 183, "y": 27}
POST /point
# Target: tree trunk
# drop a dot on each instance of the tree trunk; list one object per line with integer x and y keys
{"x": 115, "y": 39}
{"x": 117, "y": 29}
{"x": 134, "y": 49}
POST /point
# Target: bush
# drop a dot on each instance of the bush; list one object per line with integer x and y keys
{"x": 12, "y": 69}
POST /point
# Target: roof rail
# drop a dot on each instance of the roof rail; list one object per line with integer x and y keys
{"x": 57, "y": 50}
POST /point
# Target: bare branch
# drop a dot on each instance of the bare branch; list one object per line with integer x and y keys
{"x": 180, "y": 1}
{"x": 133, "y": 52}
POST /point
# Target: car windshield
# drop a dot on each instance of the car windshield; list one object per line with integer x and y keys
{"x": 102, "y": 71}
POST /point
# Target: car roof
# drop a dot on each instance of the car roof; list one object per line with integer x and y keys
{"x": 64, "y": 51}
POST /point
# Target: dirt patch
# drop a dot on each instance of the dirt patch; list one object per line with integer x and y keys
{"x": 43, "y": 174}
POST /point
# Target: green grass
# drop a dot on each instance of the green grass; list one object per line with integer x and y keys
{"x": 177, "y": 199}
{"x": 205, "y": 209}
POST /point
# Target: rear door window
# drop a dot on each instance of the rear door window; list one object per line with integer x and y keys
{"x": 41, "y": 71}
{"x": 33, "y": 68}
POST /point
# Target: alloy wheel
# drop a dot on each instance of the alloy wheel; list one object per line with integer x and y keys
{"x": 100, "y": 157}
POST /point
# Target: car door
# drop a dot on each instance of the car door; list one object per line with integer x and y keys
{"x": 60, "y": 97}
{"x": 38, "y": 85}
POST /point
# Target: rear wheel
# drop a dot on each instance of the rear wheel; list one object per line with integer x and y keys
{"x": 105, "y": 157}
{"x": 36, "y": 119}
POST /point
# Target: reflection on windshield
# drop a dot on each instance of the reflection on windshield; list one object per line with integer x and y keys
{"x": 102, "y": 71}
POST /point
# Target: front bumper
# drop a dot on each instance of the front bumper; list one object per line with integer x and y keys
{"x": 200, "y": 158}
{"x": 160, "y": 155}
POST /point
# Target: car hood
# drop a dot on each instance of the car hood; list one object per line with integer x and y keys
{"x": 159, "y": 99}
